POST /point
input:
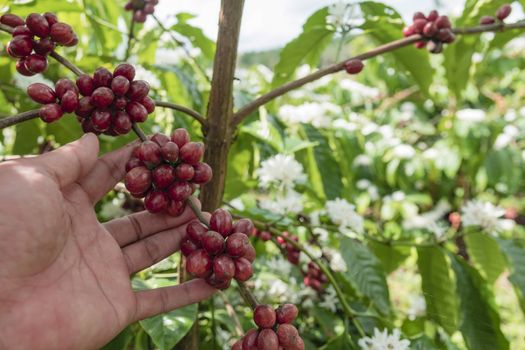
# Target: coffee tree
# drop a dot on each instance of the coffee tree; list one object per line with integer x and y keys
{"x": 334, "y": 193}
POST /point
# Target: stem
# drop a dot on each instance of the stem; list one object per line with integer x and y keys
{"x": 19, "y": 118}
{"x": 131, "y": 36}
{"x": 62, "y": 60}
{"x": 245, "y": 111}
{"x": 340, "y": 46}
{"x": 195, "y": 115}
{"x": 139, "y": 132}
{"x": 213, "y": 326}
{"x": 232, "y": 314}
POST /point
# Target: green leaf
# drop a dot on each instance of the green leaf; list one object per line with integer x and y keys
{"x": 486, "y": 255}
{"x": 391, "y": 257}
{"x": 514, "y": 251}
{"x": 195, "y": 35}
{"x": 27, "y": 134}
{"x": 121, "y": 341}
{"x": 422, "y": 343}
{"x": 66, "y": 130}
{"x": 327, "y": 165}
{"x": 437, "y": 285}
{"x": 479, "y": 320}
{"x": 342, "y": 342}
{"x": 384, "y": 24}
{"x": 307, "y": 47}
{"x": 366, "y": 274}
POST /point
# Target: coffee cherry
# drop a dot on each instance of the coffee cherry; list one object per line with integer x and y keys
{"x": 184, "y": 172}
{"x": 120, "y": 85}
{"x": 264, "y": 316}
{"x": 84, "y": 107}
{"x": 170, "y": 152}
{"x": 21, "y": 68}
{"x": 138, "y": 180}
{"x": 237, "y": 345}
{"x": 160, "y": 139}
{"x": 63, "y": 85}
{"x": 137, "y": 112}
{"x": 69, "y": 101}
{"x": 443, "y": 22}
{"x": 446, "y": 35}
{"x": 149, "y": 153}
{"x": 36, "y": 63}
{"x": 195, "y": 231}
{"x": 265, "y": 236}
{"x": 122, "y": 123}
{"x": 202, "y": 173}
{"x": 11, "y": 20}
{"x": 250, "y": 340}
{"x": 149, "y": 9}
{"x": 218, "y": 283}
{"x": 51, "y": 18}
{"x": 120, "y": 103}
{"x": 503, "y": 12}
{"x": 237, "y": 244}
{"x": 286, "y": 313}
{"x": 138, "y": 90}
{"x": 244, "y": 226}
{"x": 156, "y": 201}
{"x": 87, "y": 127}
{"x": 419, "y": 15}
{"x": 85, "y": 84}
{"x": 38, "y": 25}
{"x": 126, "y": 70}
{"x": 430, "y": 29}
{"x": 223, "y": 267}
{"x": 250, "y": 254}
{"x": 487, "y": 20}
{"x": 139, "y": 16}
{"x": 163, "y": 176}
{"x": 198, "y": 264}
{"x": 180, "y": 137}
{"x": 267, "y": 340}
{"x": 408, "y": 31}
{"x": 243, "y": 269}
{"x": 192, "y": 152}
{"x": 62, "y": 33}
{"x": 101, "y": 120}
{"x": 41, "y": 93}
{"x": 43, "y": 46}
{"x": 419, "y": 24}
{"x": 420, "y": 44}
{"x": 287, "y": 335}
{"x": 50, "y": 112}
{"x": 180, "y": 191}
{"x": 20, "y": 46}
{"x": 187, "y": 247}
{"x": 133, "y": 163}
{"x": 213, "y": 243}
{"x": 432, "y": 16}
{"x": 221, "y": 221}
{"x": 149, "y": 104}
{"x": 175, "y": 208}
{"x": 102, "y": 97}
{"x": 354, "y": 66}
{"x": 23, "y": 31}
{"x": 102, "y": 78}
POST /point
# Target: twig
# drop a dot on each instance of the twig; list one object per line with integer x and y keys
{"x": 139, "y": 132}
{"x": 131, "y": 36}
{"x": 245, "y": 111}
{"x": 66, "y": 63}
{"x": 233, "y": 315}
{"x": 195, "y": 115}
{"x": 19, "y": 118}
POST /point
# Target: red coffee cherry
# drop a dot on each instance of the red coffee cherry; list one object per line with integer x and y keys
{"x": 354, "y": 66}
{"x": 133, "y": 163}
{"x": 419, "y": 15}
{"x": 199, "y": 264}
{"x": 250, "y": 340}
{"x": 120, "y": 103}
{"x": 20, "y": 46}
{"x": 192, "y": 152}
{"x": 84, "y": 107}
{"x": 175, "y": 208}
{"x": 250, "y": 254}
{"x": 63, "y": 85}
{"x": 23, "y": 31}
{"x": 120, "y": 85}
{"x": 180, "y": 137}
{"x": 187, "y": 247}
{"x": 156, "y": 201}
{"x": 243, "y": 269}
{"x": 487, "y": 20}
{"x": 21, "y": 68}
{"x": 264, "y": 316}
{"x": 221, "y": 221}
{"x": 288, "y": 335}
{"x": 50, "y": 112}
{"x": 126, "y": 70}
{"x": 38, "y": 25}
{"x": 419, "y": 24}
{"x": 62, "y": 33}
{"x": 149, "y": 153}
{"x": 101, "y": 120}
{"x": 43, "y": 46}
{"x": 213, "y": 243}
{"x": 195, "y": 231}
{"x": 138, "y": 180}
{"x": 102, "y": 97}
{"x": 223, "y": 267}
{"x": 202, "y": 173}
{"x": 11, "y": 20}
{"x": 69, "y": 101}
{"x": 160, "y": 139}
{"x": 102, "y": 77}
{"x": 408, "y": 31}
{"x": 286, "y": 313}
{"x": 41, "y": 93}
{"x": 139, "y": 16}
{"x": 217, "y": 283}
{"x": 85, "y": 84}
{"x": 122, "y": 123}
{"x": 443, "y": 22}
{"x": 503, "y": 12}
{"x": 149, "y": 104}
{"x": 237, "y": 244}
{"x": 237, "y": 345}
{"x": 51, "y": 18}
{"x": 244, "y": 226}
{"x": 433, "y": 15}
{"x": 184, "y": 172}
{"x": 180, "y": 191}
{"x": 138, "y": 90}
{"x": 430, "y": 29}
{"x": 267, "y": 340}
{"x": 163, "y": 176}
{"x": 170, "y": 152}
{"x": 137, "y": 112}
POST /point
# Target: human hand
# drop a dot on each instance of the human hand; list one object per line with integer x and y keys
{"x": 64, "y": 276}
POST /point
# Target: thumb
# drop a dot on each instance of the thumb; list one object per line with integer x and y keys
{"x": 70, "y": 162}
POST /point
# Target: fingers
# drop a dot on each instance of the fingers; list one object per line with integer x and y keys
{"x": 136, "y": 226}
{"x": 157, "y": 301}
{"x": 71, "y": 162}
{"x": 153, "y": 249}
{"x": 107, "y": 172}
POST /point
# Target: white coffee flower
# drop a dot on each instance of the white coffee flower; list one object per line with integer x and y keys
{"x": 289, "y": 203}
{"x": 429, "y": 220}
{"x": 329, "y": 300}
{"x": 384, "y": 341}
{"x": 418, "y": 307}
{"x": 509, "y": 134}
{"x": 344, "y": 215}
{"x": 471, "y": 115}
{"x": 485, "y": 215}
{"x": 278, "y": 264}
{"x": 404, "y": 151}
{"x": 337, "y": 263}
{"x": 281, "y": 170}
{"x": 313, "y": 113}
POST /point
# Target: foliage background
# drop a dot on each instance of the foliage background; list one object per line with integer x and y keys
{"x": 419, "y": 129}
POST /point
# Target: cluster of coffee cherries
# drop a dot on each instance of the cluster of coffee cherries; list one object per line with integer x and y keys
{"x": 501, "y": 14}
{"x": 32, "y": 52}
{"x": 112, "y": 102}
{"x": 220, "y": 253}
{"x": 292, "y": 253}
{"x": 275, "y": 330}
{"x": 436, "y": 29}
{"x": 166, "y": 171}
{"x": 354, "y": 66}
{"x": 263, "y": 235}
{"x": 141, "y": 9}
{"x": 314, "y": 277}
{"x": 63, "y": 99}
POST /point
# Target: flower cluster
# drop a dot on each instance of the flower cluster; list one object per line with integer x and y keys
{"x": 382, "y": 340}
{"x": 344, "y": 215}
{"x": 485, "y": 215}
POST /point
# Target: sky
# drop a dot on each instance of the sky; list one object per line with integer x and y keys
{"x": 270, "y": 24}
